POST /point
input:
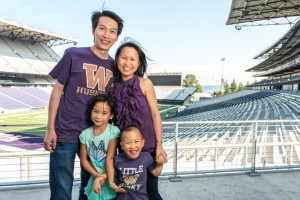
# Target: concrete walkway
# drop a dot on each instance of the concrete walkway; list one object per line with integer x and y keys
{"x": 267, "y": 186}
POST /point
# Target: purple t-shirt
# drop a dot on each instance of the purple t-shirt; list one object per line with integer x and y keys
{"x": 84, "y": 75}
{"x": 132, "y": 175}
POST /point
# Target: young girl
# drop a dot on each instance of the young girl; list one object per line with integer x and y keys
{"x": 132, "y": 165}
{"x": 136, "y": 104}
{"x": 94, "y": 144}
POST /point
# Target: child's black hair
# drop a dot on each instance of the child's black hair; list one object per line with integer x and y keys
{"x": 100, "y": 98}
{"x": 130, "y": 128}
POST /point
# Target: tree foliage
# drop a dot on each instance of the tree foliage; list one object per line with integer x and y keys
{"x": 190, "y": 80}
{"x": 227, "y": 88}
{"x": 233, "y": 86}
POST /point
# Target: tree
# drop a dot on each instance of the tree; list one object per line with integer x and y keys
{"x": 227, "y": 88}
{"x": 241, "y": 87}
{"x": 217, "y": 93}
{"x": 190, "y": 80}
{"x": 199, "y": 87}
{"x": 233, "y": 86}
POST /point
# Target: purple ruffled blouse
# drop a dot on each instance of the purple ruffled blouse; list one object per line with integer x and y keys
{"x": 132, "y": 108}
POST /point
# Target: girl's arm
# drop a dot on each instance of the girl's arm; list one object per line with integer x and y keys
{"x": 85, "y": 162}
{"x": 149, "y": 92}
{"x": 110, "y": 171}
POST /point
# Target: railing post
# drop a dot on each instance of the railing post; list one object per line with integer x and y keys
{"x": 175, "y": 178}
{"x": 215, "y": 158}
{"x": 245, "y": 156}
{"x": 289, "y": 156}
{"x": 23, "y": 163}
{"x": 254, "y": 140}
{"x": 29, "y": 163}
{"x": 196, "y": 160}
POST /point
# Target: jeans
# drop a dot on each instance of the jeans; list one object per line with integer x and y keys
{"x": 152, "y": 185}
{"x": 61, "y": 174}
{"x": 84, "y": 176}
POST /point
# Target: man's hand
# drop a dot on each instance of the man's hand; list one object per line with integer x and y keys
{"x": 50, "y": 141}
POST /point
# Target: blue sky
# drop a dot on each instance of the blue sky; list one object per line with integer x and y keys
{"x": 179, "y": 36}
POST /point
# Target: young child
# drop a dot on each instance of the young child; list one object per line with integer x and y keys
{"x": 94, "y": 144}
{"x": 132, "y": 166}
{"x": 136, "y": 104}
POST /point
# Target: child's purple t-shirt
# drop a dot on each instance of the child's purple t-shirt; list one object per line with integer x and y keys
{"x": 84, "y": 75}
{"x": 132, "y": 175}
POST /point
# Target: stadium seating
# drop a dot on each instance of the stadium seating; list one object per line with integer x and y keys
{"x": 23, "y": 97}
{"x": 22, "y": 57}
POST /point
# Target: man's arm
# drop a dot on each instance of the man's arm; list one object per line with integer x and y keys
{"x": 50, "y": 137}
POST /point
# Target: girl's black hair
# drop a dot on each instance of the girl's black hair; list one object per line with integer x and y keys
{"x": 100, "y": 98}
{"x": 142, "y": 68}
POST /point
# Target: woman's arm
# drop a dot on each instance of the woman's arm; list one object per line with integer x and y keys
{"x": 149, "y": 92}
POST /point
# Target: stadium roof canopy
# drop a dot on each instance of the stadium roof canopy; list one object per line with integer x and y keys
{"x": 14, "y": 30}
{"x": 263, "y": 12}
{"x": 282, "y": 56}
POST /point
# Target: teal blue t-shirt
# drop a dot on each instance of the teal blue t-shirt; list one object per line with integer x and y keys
{"x": 97, "y": 145}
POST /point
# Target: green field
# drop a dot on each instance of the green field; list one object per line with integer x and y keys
{"x": 34, "y": 121}
{"x": 25, "y": 117}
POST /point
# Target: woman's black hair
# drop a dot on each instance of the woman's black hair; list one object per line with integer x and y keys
{"x": 128, "y": 42}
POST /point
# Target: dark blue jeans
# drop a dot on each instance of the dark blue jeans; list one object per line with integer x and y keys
{"x": 152, "y": 185}
{"x": 61, "y": 175}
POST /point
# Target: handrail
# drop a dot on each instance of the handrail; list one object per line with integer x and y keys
{"x": 193, "y": 147}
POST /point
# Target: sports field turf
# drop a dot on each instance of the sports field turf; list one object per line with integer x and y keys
{"x": 32, "y": 121}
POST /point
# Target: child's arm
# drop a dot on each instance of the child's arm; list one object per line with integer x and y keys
{"x": 157, "y": 170}
{"x": 86, "y": 163}
{"x": 99, "y": 178}
{"x": 148, "y": 90}
{"x": 110, "y": 171}
{"x": 98, "y": 182}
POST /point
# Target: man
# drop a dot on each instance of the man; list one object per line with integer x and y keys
{"x": 81, "y": 73}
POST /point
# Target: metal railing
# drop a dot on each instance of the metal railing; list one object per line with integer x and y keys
{"x": 193, "y": 148}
